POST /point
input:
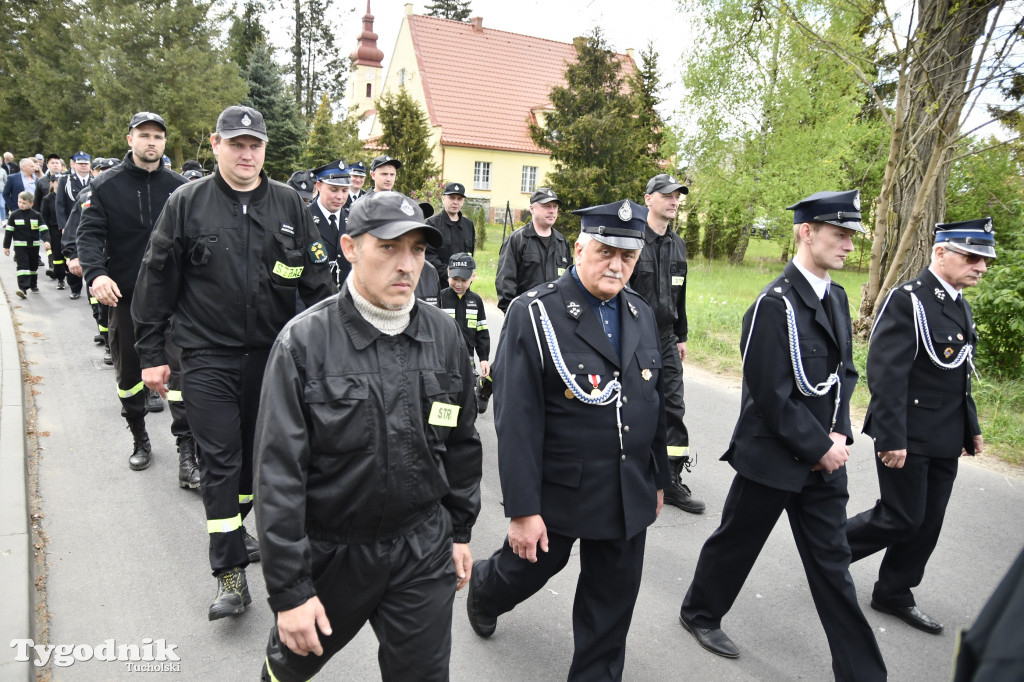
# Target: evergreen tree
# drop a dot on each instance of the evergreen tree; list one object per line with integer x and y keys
{"x": 322, "y": 145}
{"x": 691, "y": 234}
{"x": 644, "y": 84}
{"x": 406, "y": 136}
{"x": 350, "y": 146}
{"x": 449, "y": 9}
{"x": 269, "y": 95}
{"x": 246, "y": 34}
{"x": 318, "y": 66}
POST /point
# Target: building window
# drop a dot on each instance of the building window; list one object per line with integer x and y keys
{"x": 481, "y": 175}
{"x": 401, "y": 76}
{"x": 529, "y": 179}
{"x": 369, "y": 90}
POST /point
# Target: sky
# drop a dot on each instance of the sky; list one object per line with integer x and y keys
{"x": 658, "y": 21}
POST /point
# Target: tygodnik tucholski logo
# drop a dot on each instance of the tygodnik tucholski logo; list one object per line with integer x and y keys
{"x": 152, "y": 655}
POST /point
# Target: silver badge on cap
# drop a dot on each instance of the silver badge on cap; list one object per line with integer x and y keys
{"x": 406, "y": 207}
{"x": 246, "y": 121}
{"x": 150, "y": 116}
{"x": 988, "y": 225}
{"x": 625, "y": 212}
{"x": 672, "y": 180}
{"x": 856, "y": 201}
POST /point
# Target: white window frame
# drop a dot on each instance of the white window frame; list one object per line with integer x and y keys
{"x": 482, "y": 175}
{"x": 529, "y": 180}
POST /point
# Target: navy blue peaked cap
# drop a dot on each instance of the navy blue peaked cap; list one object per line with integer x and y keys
{"x": 841, "y": 209}
{"x": 968, "y": 237}
{"x": 620, "y": 224}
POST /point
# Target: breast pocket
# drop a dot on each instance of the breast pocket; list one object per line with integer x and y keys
{"x": 286, "y": 261}
{"x": 814, "y": 355}
{"x": 650, "y": 363}
{"x": 947, "y": 342}
{"x": 591, "y": 370}
{"x": 340, "y": 418}
{"x": 442, "y": 402}
{"x": 203, "y": 245}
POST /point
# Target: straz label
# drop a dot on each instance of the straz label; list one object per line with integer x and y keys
{"x": 444, "y": 414}
{"x": 287, "y": 272}
{"x": 677, "y": 280}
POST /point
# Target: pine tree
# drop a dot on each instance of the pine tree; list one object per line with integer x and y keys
{"x": 246, "y": 34}
{"x": 269, "y": 95}
{"x": 318, "y": 66}
{"x": 449, "y": 9}
{"x": 406, "y": 136}
{"x": 322, "y": 145}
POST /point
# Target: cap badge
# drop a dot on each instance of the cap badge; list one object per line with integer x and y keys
{"x": 150, "y": 116}
{"x": 246, "y": 121}
{"x": 625, "y": 212}
{"x": 672, "y": 180}
{"x": 856, "y": 201}
{"x": 303, "y": 184}
{"x": 549, "y": 193}
{"x": 574, "y": 309}
{"x": 988, "y": 226}
{"x": 406, "y": 207}
{"x": 940, "y": 294}
{"x": 646, "y": 374}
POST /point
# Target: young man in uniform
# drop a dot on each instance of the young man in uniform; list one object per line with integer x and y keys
{"x": 329, "y": 214}
{"x": 457, "y": 231}
{"x": 384, "y": 171}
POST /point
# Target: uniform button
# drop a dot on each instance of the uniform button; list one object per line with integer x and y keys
{"x": 625, "y": 429}
{"x": 915, "y": 401}
{"x": 623, "y": 458}
{"x": 615, "y": 374}
{"x": 581, "y": 365}
{"x": 625, "y": 400}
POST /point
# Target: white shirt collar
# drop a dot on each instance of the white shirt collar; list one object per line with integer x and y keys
{"x": 819, "y": 285}
{"x": 328, "y": 214}
{"x": 954, "y": 293}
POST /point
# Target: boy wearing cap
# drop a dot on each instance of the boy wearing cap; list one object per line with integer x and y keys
{"x": 25, "y": 228}
{"x": 791, "y": 443}
{"x": 581, "y": 442}
{"x": 922, "y": 416}
{"x": 533, "y": 254}
{"x": 227, "y": 259}
{"x": 368, "y": 462}
{"x": 113, "y": 232}
{"x": 329, "y": 214}
{"x": 384, "y": 171}
{"x": 457, "y": 231}
{"x": 468, "y": 310}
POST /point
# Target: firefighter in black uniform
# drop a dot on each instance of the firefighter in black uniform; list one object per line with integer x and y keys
{"x": 581, "y": 442}
{"x": 790, "y": 444}
{"x": 457, "y": 231}
{"x": 25, "y": 229}
{"x": 71, "y": 185}
{"x": 922, "y": 415}
{"x": 467, "y": 308}
{"x": 533, "y": 254}
{"x": 226, "y": 259}
{"x": 357, "y": 171}
{"x": 330, "y": 215}
{"x": 368, "y": 462}
{"x": 660, "y": 277}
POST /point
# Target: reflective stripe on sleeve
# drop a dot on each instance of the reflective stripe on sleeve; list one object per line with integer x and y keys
{"x": 224, "y": 525}
{"x": 678, "y": 450}
{"x": 131, "y": 391}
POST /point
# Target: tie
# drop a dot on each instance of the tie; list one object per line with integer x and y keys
{"x": 333, "y": 220}
{"x": 826, "y": 303}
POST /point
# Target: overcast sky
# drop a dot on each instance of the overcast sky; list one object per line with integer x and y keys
{"x": 641, "y": 21}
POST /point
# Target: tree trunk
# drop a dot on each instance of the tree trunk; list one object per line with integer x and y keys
{"x": 297, "y": 52}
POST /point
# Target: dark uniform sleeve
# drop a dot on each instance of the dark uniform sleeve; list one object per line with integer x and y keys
{"x": 483, "y": 335}
{"x": 519, "y": 413}
{"x": 281, "y": 470}
{"x": 69, "y": 239}
{"x": 316, "y": 283}
{"x": 463, "y": 456}
{"x": 507, "y": 278}
{"x": 92, "y": 238}
{"x": 156, "y": 290}
{"x": 848, "y": 378}
{"x": 890, "y": 359}
{"x": 768, "y": 373}
{"x": 64, "y": 203}
{"x": 682, "y": 328}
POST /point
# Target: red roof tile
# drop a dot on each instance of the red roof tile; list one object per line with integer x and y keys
{"x": 481, "y": 86}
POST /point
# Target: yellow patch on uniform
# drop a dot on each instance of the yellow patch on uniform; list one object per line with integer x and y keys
{"x": 561, "y": 271}
{"x": 444, "y": 414}
{"x": 677, "y": 280}
{"x": 287, "y": 272}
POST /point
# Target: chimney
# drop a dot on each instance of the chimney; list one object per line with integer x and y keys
{"x": 408, "y": 9}
{"x": 477, "y": 23}
{"x": 629, "y": 53}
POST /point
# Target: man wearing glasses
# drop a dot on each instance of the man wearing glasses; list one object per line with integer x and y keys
{"x": 921, "y": 416}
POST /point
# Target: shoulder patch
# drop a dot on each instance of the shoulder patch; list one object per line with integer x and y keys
{"x": 317, "y": 252}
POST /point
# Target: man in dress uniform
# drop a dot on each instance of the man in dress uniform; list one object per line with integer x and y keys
{"x": 71, "y": 184}
{"x": 329, "y": 213}
{"x": 660, "y": 277}
{"x": 790, "y": 444}
{"x": 357, "y": 172}
{"x": 535, "y": 253}
{"x": 384, "y": 171}
{"x": 921, "y": 416}
{"x": 581, "y": 442}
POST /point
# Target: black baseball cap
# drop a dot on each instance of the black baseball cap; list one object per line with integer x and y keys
{"x": 455, "y": 188}
{"x": 389, "y": 215}
{"x": 544, "y": 195}
{"x": 665, "y": 184}
{"x": 236, "y": 121}
{"x": 461, "y": 265}
{"x": 384, "y": 161}
{"x": 146, "y": 117}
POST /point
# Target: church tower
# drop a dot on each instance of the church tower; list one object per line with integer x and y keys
{"x": 367, "y": 77}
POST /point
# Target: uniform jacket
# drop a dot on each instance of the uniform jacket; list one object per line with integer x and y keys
{"x": 914, "y": 404}
{"x": 663, "y": 287}
{"x": 25, "y": 228}
{"x": 229, "y": 277}
{"x": 115, "y": 227}
{"x": 353, "y": 195}
{"x": 781, "y": 433}
{"x": 69, "y": 236}
{"x": 471, "y": 318}
{"x": 67, "y": 193}
{"x": 560, "y": 458}
{"x": 427, "y": 289}
{"x": 523, "y": 262}
{"x": 42, "y": 189}
{"x": 332, "y": 240}
{"x": 459, "y": 237}
{"x": 360, "y": 435}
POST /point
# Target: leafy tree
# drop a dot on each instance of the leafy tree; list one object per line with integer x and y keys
{"x": 350, "y": 147}
{"x": 269, "y": 95}
{"x": 318, "y": 66}
{"x": 406, "y": 136}
{"x": 449, "y": 9}
{"x": 246, "y": 34}
{"x": 322, "y": 145}
{"x": 691, "y": 234}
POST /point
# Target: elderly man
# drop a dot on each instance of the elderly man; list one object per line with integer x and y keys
{"x": 226, "y": 260}
{"x": 25, "y": 181}
{"x": 368, "y": 462}
{"x": 533, "y": 254}
{"x": 922, "y": 416}
{"x": 579, "y": 414}
{"x": 384, "y": 172}
{"x": 791, "y": 443}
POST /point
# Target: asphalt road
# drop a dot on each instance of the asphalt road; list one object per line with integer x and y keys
{"x": 127, "y": 553}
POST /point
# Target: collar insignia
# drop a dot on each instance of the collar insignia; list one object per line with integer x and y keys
{"x": 632, "y": 309}
{"x": 940, "y": 294}
{"x": 574, "y": 309}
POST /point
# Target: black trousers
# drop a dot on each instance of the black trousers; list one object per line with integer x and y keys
{"x": 676, "y": 434}
{"x": 100, "y": 313}
{"x": 175, "y": 401}
{"x": 222, "y": 399}
{"x": 26, "y": 262}
{"x": 906, "y": 522}
{"x": 404, "y": 587}
{"x": 127, "y": 368}
{"x": 610, "y": 574}
{"x": 56, "y": 255}
{"x": 817, "y": 516}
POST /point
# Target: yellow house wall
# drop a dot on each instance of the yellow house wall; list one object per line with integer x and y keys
{"x": 506, "y": 174}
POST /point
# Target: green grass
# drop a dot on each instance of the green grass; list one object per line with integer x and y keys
{"x": 718, "y": 294}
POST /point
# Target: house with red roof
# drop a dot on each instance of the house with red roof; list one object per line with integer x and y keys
{"x": 480, "y": 88}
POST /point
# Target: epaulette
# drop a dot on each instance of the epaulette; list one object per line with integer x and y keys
{"x": 778, "y": 288}
{"x": 539, "y": 291}
{"x": 912, "y": 285}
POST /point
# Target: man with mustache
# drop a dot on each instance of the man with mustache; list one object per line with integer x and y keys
{"x": 922, "y": 416}
{"x": 581, "y": 442}
{"x": 368, "y": 461}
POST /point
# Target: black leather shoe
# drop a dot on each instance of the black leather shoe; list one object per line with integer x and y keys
{"x": 712, "y": 639}
{"x": 75, "y": 296}
{"x": 481, "y": 625}
{"x": 911, "y": 616}
{"x": 154, "y": 403}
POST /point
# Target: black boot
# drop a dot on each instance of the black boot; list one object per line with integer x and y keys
{"x": 108, "y": 359}
{"x": 188, "y": 467}
{"x": 142, "y": 451}
{"x": 154, "y": 403}
{"x": 677, "y": 494}
{"x": 232, "y": 594}
{"x": 252, "y": 546}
